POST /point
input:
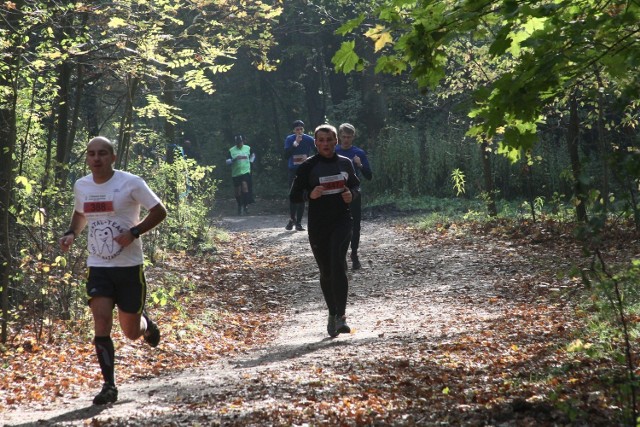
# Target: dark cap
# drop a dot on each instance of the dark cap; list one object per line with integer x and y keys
{"x": 239, "y": 138}
{"x": 298, "y": 124}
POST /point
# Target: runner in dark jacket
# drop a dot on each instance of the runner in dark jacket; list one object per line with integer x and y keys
{"x": 329, "y": 182}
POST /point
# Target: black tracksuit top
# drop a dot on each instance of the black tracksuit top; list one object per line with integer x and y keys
{"x": 335, "y": 174}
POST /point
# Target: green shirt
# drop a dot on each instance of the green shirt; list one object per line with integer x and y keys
{"x": 242, "y": 164}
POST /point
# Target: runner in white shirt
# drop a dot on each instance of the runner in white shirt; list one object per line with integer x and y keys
{"x": 108, "y": 201}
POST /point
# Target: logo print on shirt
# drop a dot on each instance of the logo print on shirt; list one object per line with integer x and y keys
{"x": 104, "y": 238}
{"x": 101, "y": 239}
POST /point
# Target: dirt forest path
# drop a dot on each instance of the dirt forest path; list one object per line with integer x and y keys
{"x": 408, "y": 299}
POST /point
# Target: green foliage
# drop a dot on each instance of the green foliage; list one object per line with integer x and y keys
{"x": 172, "y": 291}
{"x": 188, "y": 191}
{"x": 346, "y": 59}
{"x": 614, "y": 306}
{"x": 457, "y": 179}
{"x": 524, "y": 73}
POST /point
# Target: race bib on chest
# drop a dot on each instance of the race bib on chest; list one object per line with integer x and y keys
{"x": 299, "y": 158}
{"x": 333, "y": 184}
{"x": 98, "y": 204}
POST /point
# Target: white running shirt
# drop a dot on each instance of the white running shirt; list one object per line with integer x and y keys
{"x": 113, "y": 208}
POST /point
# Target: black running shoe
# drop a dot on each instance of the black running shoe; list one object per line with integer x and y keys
{"x": 355, "y": 263}
{"x": 299, "y": 227}
{"x": 331, "y": 326}
{"x": 108, "y": 394}
{"x": 289, "y": 225}
{"x": 152, "y": 334}
{"x": 341, "y": 325}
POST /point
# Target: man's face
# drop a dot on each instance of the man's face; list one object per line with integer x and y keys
{"x": 346, "y": 139}
{"x": 298, "y": 130}
{"x": 326, "y": 143}
{"x": 99, "y": 157}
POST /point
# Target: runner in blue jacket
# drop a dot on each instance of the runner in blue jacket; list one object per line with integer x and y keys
{"x": 297, "y": 148}
{"x": 346, "y": 134}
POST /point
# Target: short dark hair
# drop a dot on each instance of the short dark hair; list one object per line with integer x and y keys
{"x": 326, "y": 127}
{"x": 297, "y": 123}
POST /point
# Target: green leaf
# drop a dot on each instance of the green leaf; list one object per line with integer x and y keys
{"x": 350, "y": 25}
{"x": 346, "y": 59}
{"x": 390, "y": 65}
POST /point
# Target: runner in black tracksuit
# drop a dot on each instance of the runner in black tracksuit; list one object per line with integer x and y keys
{"x": 329, "y": 182}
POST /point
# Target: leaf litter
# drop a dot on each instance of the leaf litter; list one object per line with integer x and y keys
{"x": 463, "y": 325}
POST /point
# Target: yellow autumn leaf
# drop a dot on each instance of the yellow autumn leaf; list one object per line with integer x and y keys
{"x": 25, "y": 183}
{"x": 38, "y": 217}
{"x": 380, "y": 37}
{"x": 117, "y": 22}
{"x": 61, "y": 261}
{"x": 382, "y": 41}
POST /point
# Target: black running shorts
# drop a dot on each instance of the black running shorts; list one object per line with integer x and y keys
{"x": 238, "y": 180}
{"x": 126, "y": 285}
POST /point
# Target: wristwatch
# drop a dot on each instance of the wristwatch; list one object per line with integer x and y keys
{"x": 135, "y": 231}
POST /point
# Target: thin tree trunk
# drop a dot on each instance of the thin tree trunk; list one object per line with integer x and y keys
{"x": 7, "y": 147}
{"x": 7, "y": 142}
{"x": 75, "y": 118}
{"x": 488, "y": 179}
{"x": 602, "y": 143}
{"x": 62, "y": 121}
{"x": 573, "y": 134}
{"x": 126, "y": 124}
{"x": 168, "y": 97}
{"x": 375, "y": 106}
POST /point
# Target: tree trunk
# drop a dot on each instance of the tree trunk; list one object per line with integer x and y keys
{"x": 62, "y": 120}
{"x": 314, "y": 89}
{"x": 10, "y": 65}
{"x": 73, "y": 126}
{"x": 488, "y": 179}
{"x": 126, "y": 124}
{"x": 7, "y": 142}
{"x": 90, "y": 106}
{"x": 168, "y": 97}
{"x": 573, "y": 134}
{"x": 374, "y": 102}
{"x": 602, "y": 145}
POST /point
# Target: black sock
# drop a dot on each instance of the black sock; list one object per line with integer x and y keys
{"x": 106, "y": 356}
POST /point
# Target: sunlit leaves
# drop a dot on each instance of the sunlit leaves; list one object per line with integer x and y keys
{"x": 22, "y": 180}
{"x": 157, "y": 108}
{"x": 542, "y": 50}
{"x": 380, "y": 36}
{"x": 346, "y": 59}
{"x": 39, "y": 217}
{"x": 117, "y": 22}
